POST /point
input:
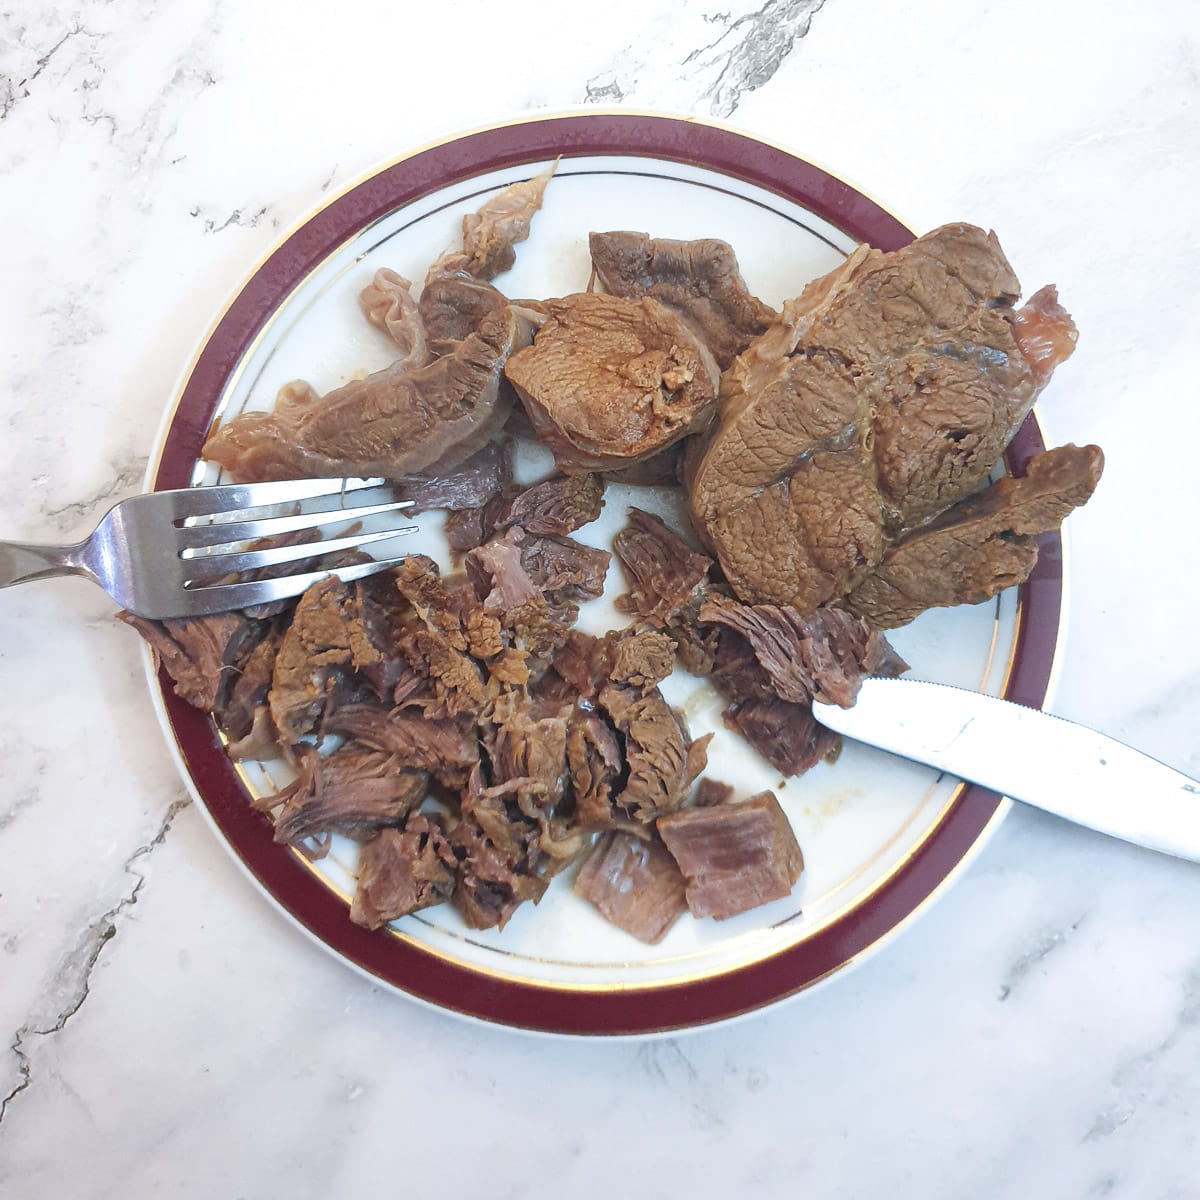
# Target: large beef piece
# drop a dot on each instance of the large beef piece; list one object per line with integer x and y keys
{"x": 201, "y": 654}
{"x": 700, "y": 280}
{"x": 734, "y": 857}
{"x": 396, "y": 422}
{"x": 608, "y": 381}
{"x": 981, "y": 545}
{"x": 634, "y": 883}
{"x": 885, "y": 393}
{"x": 402, "y": 870}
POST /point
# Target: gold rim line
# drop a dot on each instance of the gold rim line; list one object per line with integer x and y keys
{"x": 268, "y": 325}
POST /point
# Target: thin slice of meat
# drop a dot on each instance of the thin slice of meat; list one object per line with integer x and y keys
{"x": 554, "y": 506}
{"x": 446, "y": 748}
{"x": 562, "y": 568}
{"x": 981, "y": 545}
{"x": 403, "y": 870}
{"x": 201, "y": 654}
{"x": 822, "y": 656}
{"x": 609, "y": 382}
{"x": 734, "y": 857}
{"x": 635, "y": 884}
{"x": 395, "y": 423}
{"x": 700, "y": 280}
{"x": 387, "y": 302}
{"x": 468, "y": 486}
{"x": 491, "y": 233}
{"x": 1045, "y": 333}
{"x": 662, "y": 569}
{"x": 353, "y": 791}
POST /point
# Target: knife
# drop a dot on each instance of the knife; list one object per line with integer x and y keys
{"x": 1028, "y": 755}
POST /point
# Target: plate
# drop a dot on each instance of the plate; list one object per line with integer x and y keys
{"x": 880, "y": 836}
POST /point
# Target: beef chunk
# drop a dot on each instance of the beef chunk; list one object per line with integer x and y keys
{"x": 201, "y": 654}
{"x": 822, "y": 656}
{"x": 634, "y": 883}
{"x": 710, "y": 792}
{"x": 662, "y": 569}
{"x": 554, "y": 506}
{"x": 662, "y": 760}
{"x": 312, "y": 655}
{"x": 595, "y": 763}
{"x": 402, "y": 870}
{"x": 397, "y": 422}
{"x": 527, "y": 752}
{"x": 734, "y": 857}
{"x": 700, "y": 280}
{"x": 560, "y": 567}
{"x": 500, "y": 578}
{"x": 786, "y": 735}
{"x": 981, "y": 545}
{"x": 353, "y": 791}
{"x": 884, "y": 394}
{"x": 642, "y": 660}
{"x": 452, "y": 307}
{"x": 497, "y": 862}
{"x": 608, "y": 381}
{"x": 387, "y": 302}
{"x": 1045, "y": 333}
{"x": 248, "y": 695}
{"x": 446, "y": 748}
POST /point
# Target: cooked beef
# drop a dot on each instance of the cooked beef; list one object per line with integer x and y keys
{"x": 662, "y": 760}
{"x": 608, "y": 382}
{"x": 446, "y": 748}
{"x": 819, "y": 657}
{"x": 560, "y": 567}
{"x": 710, "y": 792}
{"x": 397, "y": 422}
{"x": 1045, "y": 332}
{"x": 981, "y": 545}
{"x": 528, "y": 752}
{"x": 786, "y": 735}
{"x": 467, "y": 528}
{"x": 595, "y": 764}
{"x": 261, "y": 740}
{"x": 500, "y": 578}
{"x": 661, "y": 567}
{"x": 201, "y": 654}
{"x": 634, "y": 883}
{"x": 554, "y": 506}
{"x": 659, "y": 470}
{"x": 387, "y": 302}
{"x": 491, "y": 233}
{"x": 497, "y": 862}
{"x": 885, "y": 393}
{"x": 314, "y": 650}
{"x": 734, "y": 857}
{"x": 465, "y": 488}
{"x": 352, "y": 791}
{"x": 641, "y": 660}
{"x": 453, "y": 307}
{"x": 403, "y": 870}
{"x": 248, "y": 696}
{"x": 700, "y": 280}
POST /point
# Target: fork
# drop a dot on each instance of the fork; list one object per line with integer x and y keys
{"x": 172, "y": 554}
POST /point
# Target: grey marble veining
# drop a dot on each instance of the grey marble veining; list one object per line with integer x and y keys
{"x": 1037, "y": 1033}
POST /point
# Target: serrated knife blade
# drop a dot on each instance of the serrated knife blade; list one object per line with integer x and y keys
{"x": 1028, "y": 755}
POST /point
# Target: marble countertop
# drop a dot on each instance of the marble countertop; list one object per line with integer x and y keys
{"x": 165, "y": 1031}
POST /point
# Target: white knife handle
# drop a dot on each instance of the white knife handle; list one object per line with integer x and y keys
{"x": 1028, "y": 755}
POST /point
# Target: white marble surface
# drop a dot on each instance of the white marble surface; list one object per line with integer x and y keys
{"x": 164, "y": 1031}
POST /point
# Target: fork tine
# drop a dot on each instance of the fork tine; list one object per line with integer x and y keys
{"x": 220, "y": 597}
{"x": 223, "y": 532}
{"x": 234, "y": 497}
{"x": 201, "y": 567}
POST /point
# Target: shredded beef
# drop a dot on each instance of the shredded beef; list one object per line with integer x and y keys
{"x": 402, "y": 870}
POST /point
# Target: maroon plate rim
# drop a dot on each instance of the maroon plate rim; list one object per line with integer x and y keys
{"x": 401, "y": 963}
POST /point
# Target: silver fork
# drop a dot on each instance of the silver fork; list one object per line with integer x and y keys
{"x": 171, "y": 554}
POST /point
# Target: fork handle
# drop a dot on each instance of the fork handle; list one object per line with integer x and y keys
{"x": 23, "y": 561}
